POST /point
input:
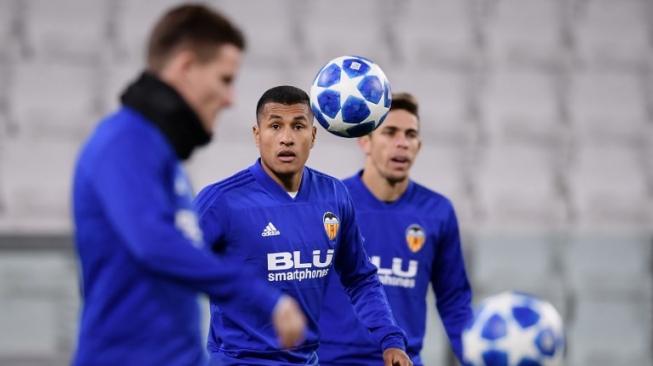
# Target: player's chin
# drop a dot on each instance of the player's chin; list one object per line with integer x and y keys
{"x": 287, "y": 168}
{"x": 397, "y": 175}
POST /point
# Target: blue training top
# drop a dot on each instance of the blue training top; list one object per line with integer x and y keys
{"x": 293, "y": 243}
{"x": 141, "y": 252}
{"x": 414, "y": 241}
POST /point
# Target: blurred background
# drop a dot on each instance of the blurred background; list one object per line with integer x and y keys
{"x": 537, "y": 121}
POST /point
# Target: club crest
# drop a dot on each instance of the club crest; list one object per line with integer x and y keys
{"x": 331, "y": 225}
{"x": 415, "y": 237}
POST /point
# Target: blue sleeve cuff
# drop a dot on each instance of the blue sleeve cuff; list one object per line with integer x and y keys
{"x": 393, "y": 341}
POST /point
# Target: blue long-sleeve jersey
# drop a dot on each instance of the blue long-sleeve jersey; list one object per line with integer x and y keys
{"x": 295, "y": 244}
{"x": 140, "y": 250}
{"x": 414, "y": 241}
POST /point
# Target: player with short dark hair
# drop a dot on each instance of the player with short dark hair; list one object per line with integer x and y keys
{"x": 411, "y": 234}
{"x": 136, "y": 231}
{"x": 294, "y": 226}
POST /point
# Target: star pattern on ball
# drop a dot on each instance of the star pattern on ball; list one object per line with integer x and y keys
{"x": 349, "y": 96}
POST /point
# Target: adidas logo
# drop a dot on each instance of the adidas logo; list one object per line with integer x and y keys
{"x": 270, "y": 230}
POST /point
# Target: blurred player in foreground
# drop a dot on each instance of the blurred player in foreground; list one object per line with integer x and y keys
{"x": 411, "y": 235}
{"x": 137, "y": 237}
{"x": 294, "y": 225}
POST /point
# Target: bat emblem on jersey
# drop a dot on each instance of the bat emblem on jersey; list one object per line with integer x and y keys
{"x": 415, "y": 237}
{"x": 331, "y": 224}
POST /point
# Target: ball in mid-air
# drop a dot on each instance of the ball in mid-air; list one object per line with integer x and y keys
{"x": 350, "y": 96}
{"x": 514, "y": 329}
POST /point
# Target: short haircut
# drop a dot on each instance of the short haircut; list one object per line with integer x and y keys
{"x": 284, "y": 94}
{"x": 405, "y": 101}
{"x": 192, "y": 26}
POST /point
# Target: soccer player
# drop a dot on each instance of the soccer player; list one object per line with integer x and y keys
{"x": 294, "y": 226}
{"x": 137, "y": 237}
{"x": 411, "y": 235}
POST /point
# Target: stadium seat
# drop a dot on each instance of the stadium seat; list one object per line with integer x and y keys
{"x": 54, "y": 100}
{"x": 4, "y": 97}
{"x": 613, "y": 34}
{"x": 519, "y": 187}
{"x": 609, "y": 189}
{"x": 36, "y": 177}
{"x": 431, "y": 33}
{"x": 609, "y": 108}
{"x": 68, "y": 30}
{"x": 447, "y": 170}
{"x": 340, "y": 27}
{"x": 275, "y": 37}
{"x": 524, "y": 33}
{"x": 7, "y": 14}
{"x": 521, "y": 108}
{"x": 444, "y": 104}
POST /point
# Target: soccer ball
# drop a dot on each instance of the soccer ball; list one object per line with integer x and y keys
{"x": 513, "y": 329}
{"x": 350, "y": 96}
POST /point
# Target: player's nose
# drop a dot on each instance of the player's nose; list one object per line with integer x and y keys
{"x": 401, "y": 141}
{"x": 286, "y": 137}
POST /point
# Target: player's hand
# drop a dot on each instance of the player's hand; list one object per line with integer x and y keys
{"x": 289, "y": 322}
{"x": 396, "y": 357}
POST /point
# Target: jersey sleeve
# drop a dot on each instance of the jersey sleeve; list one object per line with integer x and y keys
{"x": 449, "y": 280}
{"x": 359, "y": 278}
{"x": 129, "y": 183}
{"x": 214, "y": 225}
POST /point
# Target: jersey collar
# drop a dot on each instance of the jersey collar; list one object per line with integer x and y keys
{"x": 276, "y": 190}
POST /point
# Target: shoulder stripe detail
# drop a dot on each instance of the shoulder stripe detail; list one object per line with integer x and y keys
{"x": 210, "y": 193}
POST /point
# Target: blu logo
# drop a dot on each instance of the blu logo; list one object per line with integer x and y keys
{"x": 281, "y": 261}
{"x": 397, "y": 268}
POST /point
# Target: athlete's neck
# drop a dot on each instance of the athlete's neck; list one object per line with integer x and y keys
{"x": 289, "y": 182}
{"x": 383, "y": 189}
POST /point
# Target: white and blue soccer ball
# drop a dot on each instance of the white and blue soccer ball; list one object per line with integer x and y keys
{"x": 514, "y": 329}
{"x": 350, "y": 96}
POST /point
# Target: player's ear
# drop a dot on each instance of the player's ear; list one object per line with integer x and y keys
{"x": 364, "y": 144}
{"x": 180, "y": 62}
{"x": 175, "y": 70}
{"x": 313, "y": 138}
{"x": 256, "y": 132}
